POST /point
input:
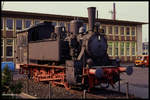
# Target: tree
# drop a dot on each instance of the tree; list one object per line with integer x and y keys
{"x": 6, "y": 79}
{"x": 8, "y": 85}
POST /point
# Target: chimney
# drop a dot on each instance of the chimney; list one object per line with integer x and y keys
{"x": 91, "y": 17}
{"x": 114, "y": 12}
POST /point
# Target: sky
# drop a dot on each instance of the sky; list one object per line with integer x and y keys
{"x": 129, "y": 11}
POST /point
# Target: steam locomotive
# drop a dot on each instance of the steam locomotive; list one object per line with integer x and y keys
{"x": 70, "y": 58}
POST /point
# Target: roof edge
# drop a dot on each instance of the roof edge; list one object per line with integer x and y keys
{"x": 5, "y": 12}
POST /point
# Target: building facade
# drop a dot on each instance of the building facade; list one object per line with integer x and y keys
{"x": 145, "y": 48}
{"x": 124, "y": 37}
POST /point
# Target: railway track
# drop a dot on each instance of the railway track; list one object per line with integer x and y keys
{"x": 42, "y": 90}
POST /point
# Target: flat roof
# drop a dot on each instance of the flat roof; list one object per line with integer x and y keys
{"x": 43, "y": 16}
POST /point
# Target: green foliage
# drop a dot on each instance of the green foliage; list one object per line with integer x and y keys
{"x": 8, "y": 85}
{"x": 6, "y": 76}
{"x": 6, "y": 79}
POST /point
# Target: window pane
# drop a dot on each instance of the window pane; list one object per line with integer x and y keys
{"x": 116, "y": 30}
{"x": 128, "y": 48}
{"x": 19, "y": 24}
{"x": 128, "y": 44}
{"x": 9, "y": 24}
{"x": 36, "y": 22}
{"x": 9, "y": 51}
{"x": 54, "y": 23}
{"x": 1, "y": 23}
{"x": 9, "y": 42}
{"x": 27, "y": 23}
{"x": 128, "y": 31}
{"x": 133, "y": 48}
{"x": 84, "y": 25}
{"x": 109, "y": 29}
{"x": 122, "y": 30}
{"x": 122, "y": 48}
{"x": 133, "y": 30}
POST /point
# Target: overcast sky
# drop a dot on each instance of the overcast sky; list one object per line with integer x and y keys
{"x": 131, "y": 11}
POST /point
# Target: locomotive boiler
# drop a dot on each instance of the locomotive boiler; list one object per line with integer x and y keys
{"x": 70, "y": 58}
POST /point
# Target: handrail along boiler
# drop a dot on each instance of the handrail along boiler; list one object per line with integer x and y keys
{"x": 70, "y": 58}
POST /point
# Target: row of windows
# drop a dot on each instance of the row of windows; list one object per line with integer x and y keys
{"x": 9, "y": 47}
{"x": 115, "y": 29}
{"x": 19, "y": 23}
{"x": 129, "y": 46}
{"x": 27, "y": 23}
{"x": 107, "y": 29}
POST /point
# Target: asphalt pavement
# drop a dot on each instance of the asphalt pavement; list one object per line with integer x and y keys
{"x": 137, "y": 82}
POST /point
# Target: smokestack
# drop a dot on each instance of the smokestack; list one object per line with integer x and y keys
{"x": 114, "y": 12}
{"x": 91, "y": 17}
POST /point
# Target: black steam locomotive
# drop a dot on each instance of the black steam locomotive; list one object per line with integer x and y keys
{"x": 76, "y": 50}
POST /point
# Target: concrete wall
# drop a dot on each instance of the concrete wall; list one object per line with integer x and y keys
{"x": 139, "y": 40}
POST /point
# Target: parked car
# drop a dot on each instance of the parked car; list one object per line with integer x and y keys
{"x": 142, "y": 60}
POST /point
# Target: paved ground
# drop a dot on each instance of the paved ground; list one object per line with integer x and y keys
{"x": 138, "y": 82}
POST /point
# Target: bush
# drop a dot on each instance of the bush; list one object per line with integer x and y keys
{"x": 8, "y": 86}
{"x": 6, "y": 79}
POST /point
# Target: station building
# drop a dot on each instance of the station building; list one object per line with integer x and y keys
{"x": 124, "y": 37}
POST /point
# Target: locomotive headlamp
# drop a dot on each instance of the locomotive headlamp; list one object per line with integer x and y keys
{"x": 99, "y": 37}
